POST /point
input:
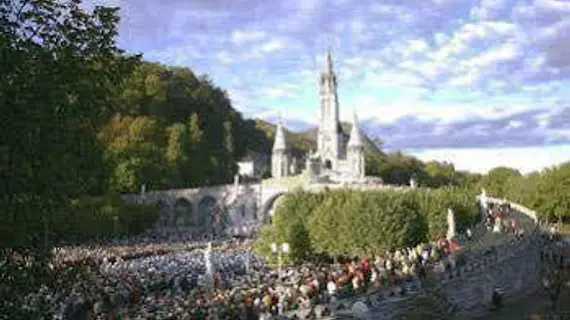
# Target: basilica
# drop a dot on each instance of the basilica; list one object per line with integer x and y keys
{"x": 338, "y": 156}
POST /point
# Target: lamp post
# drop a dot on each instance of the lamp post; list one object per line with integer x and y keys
{"x": 260, "y": 205}
{"x": 279, "y": 251}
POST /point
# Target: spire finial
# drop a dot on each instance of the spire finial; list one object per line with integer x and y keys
{"x": 355, "y": 139}
{"x": 279, "y": 143}
{"x": 329, "y": 60}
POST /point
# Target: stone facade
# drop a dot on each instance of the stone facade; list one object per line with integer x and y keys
{"x": 253, "y": 164}
{"x": 337, "y": 157}
{"x": 280, "y": 157}
{"x": 246, "y": 204}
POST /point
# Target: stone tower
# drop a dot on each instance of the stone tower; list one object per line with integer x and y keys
{"x": 355, "y": 152}
{"x": 329, "y": 135}
{"x": 279, "y": 157}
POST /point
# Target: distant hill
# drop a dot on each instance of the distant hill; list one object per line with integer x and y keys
{"x": 303, "y": 142}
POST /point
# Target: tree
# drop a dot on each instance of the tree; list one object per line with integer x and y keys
{"x": 440, "y": 174}
{"x": 364, "y": 223}
{"x": 300, "y": 243}
{"x": 134, "y": 149}
{"x": 177, "y": 155}
{"x": 497, "y": 180}
{"x": 552, "y": 195}
{"x": 60, "y": 74}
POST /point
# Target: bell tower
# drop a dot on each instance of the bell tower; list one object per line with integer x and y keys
{"x": 328, "y": 142}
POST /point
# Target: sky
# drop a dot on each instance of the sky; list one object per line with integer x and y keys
{"x": 478, "y": 83}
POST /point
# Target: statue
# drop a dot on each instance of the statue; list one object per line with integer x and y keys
{"x": 483, "y": 201}
{"x": 247, "y": 264}
{"x": 209, "y": 265}
{"x": 450, "y": 224}
{"x": 413, "y": 183}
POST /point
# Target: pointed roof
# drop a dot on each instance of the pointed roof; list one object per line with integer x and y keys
{"x": 355, "y": 138}
{"x": 329, "y": 62}
{"x": 279, "y": 143}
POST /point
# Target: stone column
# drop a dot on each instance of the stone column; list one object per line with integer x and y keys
{"x": 451, "y": 230}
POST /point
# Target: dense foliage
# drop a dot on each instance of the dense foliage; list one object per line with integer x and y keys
{"x": 81, "y": 117}
{"x": 365, "y": 222}
{"x": 546, "y": 192}
{"x": 173, "y": 129}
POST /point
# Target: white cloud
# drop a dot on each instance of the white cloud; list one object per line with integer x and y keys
{"x": 440, "y": 38}
{"x": 515, "y": 124}
{"x": 553, "y": 5}
{"x": 282, "y": 91}
{"x": 225, "y": 57}
{"x": 240, "y": 37}
{"x": 417, "y": 45}
{"x": 308, "y": 114}
{"x": 272, "y": 46}
{"x": 389, "y": 78}
{"x": 389, "y": 112}
{"x": 482, "y": 160}
{"x": 464, "y": 81}
{"x": 182, "y": 55}
{"x": 487, "y": 9}
{"x": 504, "y": 53}
{"x": 469, "y": 35}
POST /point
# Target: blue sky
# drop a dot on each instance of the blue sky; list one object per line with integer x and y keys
{"x": 479, "y": 83}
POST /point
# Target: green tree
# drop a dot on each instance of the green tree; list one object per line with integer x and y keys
{"x": 60, "y": 74}
{"x": 177, "y": 155}
{"x": 198, "y": 160}
{"x": 229, "y": 148}
{"x": 552, "y": 195}
{"x": 301, "y": 249}
{"x": 134, "y": 149}
{"x": 364, "y": 223}
{"x": 440, "y": 174}
{"x": 497, "y": 180}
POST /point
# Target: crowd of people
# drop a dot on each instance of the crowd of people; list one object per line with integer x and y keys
{"x": 151, "y": 278}
{"x": 122, "y": 285}
{"x": 499, "y": 219}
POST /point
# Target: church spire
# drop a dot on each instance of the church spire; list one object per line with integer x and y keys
{"x": 279, "y": 143}
{"x": 329, "y": 62}
{"x": 355, "y": 138}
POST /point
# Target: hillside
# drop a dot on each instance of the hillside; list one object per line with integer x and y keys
{"x": 303, "y": 142}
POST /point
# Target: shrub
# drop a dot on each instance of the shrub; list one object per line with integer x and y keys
{"x": 363, "y": 223}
